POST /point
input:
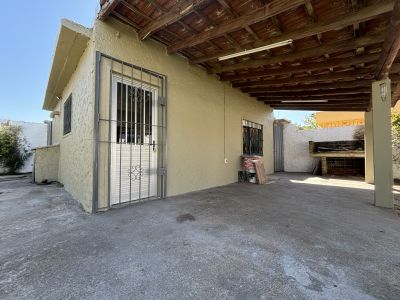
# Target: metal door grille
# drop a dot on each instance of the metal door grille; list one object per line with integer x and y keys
{"x": 130, "y": 160}
{"x": 278, "y": 147}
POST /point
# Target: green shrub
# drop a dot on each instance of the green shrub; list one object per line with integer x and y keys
{"x": 309, "y": 122}
{"x": 13, "y": 149}
{"x": 396, "y": 136}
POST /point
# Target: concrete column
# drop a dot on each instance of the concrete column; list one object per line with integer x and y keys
{"x": 369, "y": 148}
{"x": 382, "y": 140}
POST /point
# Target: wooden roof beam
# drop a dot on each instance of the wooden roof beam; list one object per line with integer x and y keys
{"x": 320, "y": 91}
{"x": 395, "y": 93}
{"x": 391, "y": 45}
{"x": 271, "y": 9}
{"x": 327, "y": 97}
{"x": 347, "y": 75}
{"x": 358, "y": 27}
{"x": 157, "y": 5}
{"x": 229, "y": 9}
{"x": 106, "y": 9}
{"x": 234, "y": 14}
{"x": 364, "y": 14}
{"x": 341, "y": 77}
{"x": 332, "y": 63}
{"x": 361, "y": 90}
{"x": 172, "y": 16}
{"x": 310, "y": 87}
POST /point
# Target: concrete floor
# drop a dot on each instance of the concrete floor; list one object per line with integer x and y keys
{"x": 297, "y": 237}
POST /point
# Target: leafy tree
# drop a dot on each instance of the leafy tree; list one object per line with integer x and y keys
{"x": 396, "y": 136}
{"x": 13, "y": 149}
{"x": 310, "y": 122}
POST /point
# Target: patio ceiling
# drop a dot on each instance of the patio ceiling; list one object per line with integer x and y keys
{"x": 338, "y": 46}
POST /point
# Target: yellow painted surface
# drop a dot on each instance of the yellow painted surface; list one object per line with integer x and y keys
{"x": 369, "y": 148}
{"x": 76, "y": 148}
{"x": 195, "y": 114}
{"x": 46, "y": 163}
{"x": 382, "y": 142}
{"x": 196, "y": 110}
{"x": 71, "y": 43}
{"x": 327, "y": 119}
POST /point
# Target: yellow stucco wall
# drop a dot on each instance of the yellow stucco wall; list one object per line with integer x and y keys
{"x": 195, "y": 113}
{"x": 326, "y": 119}
{"x": 76, "y": 148}
{"x": 46, "y": 163}
{"x": 56, "y": 132}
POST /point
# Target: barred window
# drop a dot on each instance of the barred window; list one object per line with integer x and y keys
{"x": 67, "y": 115}
{"x": 252, "y": 138}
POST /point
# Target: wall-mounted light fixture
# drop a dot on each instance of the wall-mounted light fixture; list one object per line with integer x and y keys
{"x": 383, "y": 90}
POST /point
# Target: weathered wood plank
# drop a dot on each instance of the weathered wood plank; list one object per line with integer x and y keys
{"x": 172, "y": 16}
{"x": 391, "y": 45}
{"x": 271, "y": 9}
{"x": 332, "y": 63}
{"x": 107, "y": 8}
{"x": 362, "y": 15}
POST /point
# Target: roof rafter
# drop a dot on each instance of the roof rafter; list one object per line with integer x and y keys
{"x": 327, "y": 97}
{"x": 360, "y": 90}
{"x": 106, "y": 9}
{"x": 170, "y": 17}
{"x": 332, "y": 63}
{"x": 331, "y": 89}
{"x": 271, "y": 9}
{"x": 364, "y": 14}
{"x": 391, "y": 46}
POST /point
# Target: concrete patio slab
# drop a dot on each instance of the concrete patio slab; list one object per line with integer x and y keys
{"x": 297, "y": 237}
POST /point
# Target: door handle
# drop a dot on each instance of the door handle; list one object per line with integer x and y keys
{"x": 154, "y": 146}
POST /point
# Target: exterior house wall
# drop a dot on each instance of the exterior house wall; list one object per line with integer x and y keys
{"x": 76, "y": 148}
{"x": 295, "y": 144}
{"x": 47, "y": 163}
{"x": 196, "y": 113}
{"x": 35, "y": 135}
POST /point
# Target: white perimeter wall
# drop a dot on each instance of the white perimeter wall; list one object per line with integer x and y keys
{"x": 295, "y": 144}
{"x": 35, "y": 135}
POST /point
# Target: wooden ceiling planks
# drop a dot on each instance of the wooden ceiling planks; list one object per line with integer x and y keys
{"x": 339, "y": 45}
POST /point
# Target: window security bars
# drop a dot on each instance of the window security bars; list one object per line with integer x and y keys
{"x": 67, "y": 122}
{"x": 132, "y": 137}
{"x": 252, "y": 138}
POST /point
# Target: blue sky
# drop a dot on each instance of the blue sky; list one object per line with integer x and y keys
{"x": 296, "y": 116}
{"x": 29, "y": 33}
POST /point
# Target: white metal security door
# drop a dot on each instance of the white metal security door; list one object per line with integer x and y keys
{"x": 133, "y": 141}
